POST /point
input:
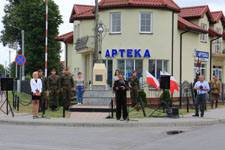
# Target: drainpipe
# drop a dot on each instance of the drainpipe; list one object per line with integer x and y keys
{"x": 66, "y": 59}
{"x": 172, "y": 44}
{"x": 211, "y": 41}
{"x": 181, "y": 47}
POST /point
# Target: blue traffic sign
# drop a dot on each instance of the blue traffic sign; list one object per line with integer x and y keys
{"x": 3, "y": 76}
{"x": 20, "y": 60}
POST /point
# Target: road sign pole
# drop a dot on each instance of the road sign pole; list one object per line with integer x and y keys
{"x": 23, "y": 67}
{"x": 16, "y": 64}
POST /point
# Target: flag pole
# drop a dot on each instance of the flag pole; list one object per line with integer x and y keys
{"x": 46, "y": 41}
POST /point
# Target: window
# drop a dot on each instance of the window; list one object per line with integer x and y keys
{"x": 115, "y": 23}
{"x": 155, "y": 66}
{"x": 127, "y": 66}
{"x": 201, "y": 70}
{"x": 217, "y": 70}
{"x": 203, "y": 37}
{"x": 109, "y": 72}
{"x": 146, "y": 22}
{"x": 217, "y": 45}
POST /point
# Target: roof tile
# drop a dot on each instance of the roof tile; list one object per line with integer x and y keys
{"x": 186, "y": 25}
{"x": 67, "y": 38}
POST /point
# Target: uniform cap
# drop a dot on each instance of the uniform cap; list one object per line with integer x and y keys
{"x": 40, "y": 70}
{"x": 134, "y": 71}
{"x": 53, "y": 70}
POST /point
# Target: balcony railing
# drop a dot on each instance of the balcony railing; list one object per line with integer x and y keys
{"x": 84, "y": 43}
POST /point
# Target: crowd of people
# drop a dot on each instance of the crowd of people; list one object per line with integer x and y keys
{"x": 66, "y": 84}
{"x": 53, "y": 84}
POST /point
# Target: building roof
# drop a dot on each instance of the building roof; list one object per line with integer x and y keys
{"x": 87, "y": 11}
{"x": 196, "y": 12}
{"x": 186, "y": 25}
{"x": 213, "y": 33}
{"x": 82, "y": 12}
{"x": 217, "y": 16}
{"x": 169, "y": 4}
{"x": 67, "y": 38}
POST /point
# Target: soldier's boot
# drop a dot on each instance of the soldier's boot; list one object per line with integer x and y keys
{"x": 216, "y": 105}
{"x": 212, "y": 104}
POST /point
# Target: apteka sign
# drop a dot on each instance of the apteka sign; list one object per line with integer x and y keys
{"x": 127, "y": 52}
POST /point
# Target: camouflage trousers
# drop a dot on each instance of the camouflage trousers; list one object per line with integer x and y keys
{"x": 67, "y": 96}
{"x": 134, "y": 96}
{"x": 54, "y": 98}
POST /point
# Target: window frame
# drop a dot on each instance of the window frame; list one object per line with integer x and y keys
{"x": 111, "y": 23}
{"x": 134, "y": 66}
{"x": 218, "y": 43}
{"x": 203, "y": 37}
{"x": 156, "y": 65}
{"x": 151, "y": 24}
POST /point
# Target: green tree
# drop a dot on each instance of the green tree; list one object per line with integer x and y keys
{"x": 2, "y": 69}
{"x": 29, "y": 15}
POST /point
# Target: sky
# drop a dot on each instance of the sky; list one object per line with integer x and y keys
{"x": 65, "y": 7}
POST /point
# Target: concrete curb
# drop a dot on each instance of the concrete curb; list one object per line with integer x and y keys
{"x": 114, "y": 123}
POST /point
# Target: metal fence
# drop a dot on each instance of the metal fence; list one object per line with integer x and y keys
{"x": 25, "y": 86}
{"x": 185, "y": 95}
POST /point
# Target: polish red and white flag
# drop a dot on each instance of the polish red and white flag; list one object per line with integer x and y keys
{"x": 173, "y": 82}
{"x": 151, "y": 80}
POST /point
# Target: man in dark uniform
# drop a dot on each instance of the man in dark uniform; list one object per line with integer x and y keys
{"x": 67, "y": 86}
{"x": 134, "y": 85}
{"x": 43, "y": 100}
{"x": 120, "y": 88}
{"x": 53, "y": 89}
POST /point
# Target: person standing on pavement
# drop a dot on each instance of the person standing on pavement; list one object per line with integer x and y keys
{"x": 216, "y": 89}
{"x": 120, "y": 87}
{"x": 67, "y": 86}
{"x": 43, "y": 100}
{"x": 36, "y": 89}
{"x": 134, "y": 85}
{"x": 53, "y": 89}
{"x": 80, "y": 88}
{"x": 115, "y": 78}
{"x": 202, "y": 88}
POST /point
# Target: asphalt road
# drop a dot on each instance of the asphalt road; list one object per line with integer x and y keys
{"x": 14, "y": 137}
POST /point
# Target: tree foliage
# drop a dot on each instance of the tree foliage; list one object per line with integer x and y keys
{"x": 29, "y": 15}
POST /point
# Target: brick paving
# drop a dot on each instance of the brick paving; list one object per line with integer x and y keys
{"x": 88, "y": 115}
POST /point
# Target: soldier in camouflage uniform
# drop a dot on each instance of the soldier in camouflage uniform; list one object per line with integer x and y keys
{"x": 44, "y": 90}
{"x": 133, "y": 82}
{"x": 67, "y": 86}
{"x": 215, "y": 90}
{"x": 53, "y": 89}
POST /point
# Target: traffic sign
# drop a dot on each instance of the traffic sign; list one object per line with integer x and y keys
{"x": 20, "y": 60}
{"x": 3, "y": 76}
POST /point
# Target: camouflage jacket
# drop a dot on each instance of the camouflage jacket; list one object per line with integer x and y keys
{"x": 53, "y": 82}
{"x": 67, "y": 81}
{"x": 134, "y": 82}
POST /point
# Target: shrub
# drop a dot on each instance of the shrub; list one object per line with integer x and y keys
{"x": 142, "y": 95}
{"x": 165, "y": 96}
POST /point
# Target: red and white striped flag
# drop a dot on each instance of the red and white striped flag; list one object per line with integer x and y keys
{"x": 151, "y": 80}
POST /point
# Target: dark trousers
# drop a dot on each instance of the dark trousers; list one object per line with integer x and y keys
{"x": 54, "y": 99}
{"x": 67, "y": 96}
{"x": 134, "y": 96}
{"x": 200, "y": 100}
{"x": 121, "y": 103}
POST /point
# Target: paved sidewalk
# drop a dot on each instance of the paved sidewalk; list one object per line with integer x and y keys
{"x": 214, "y": 116}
